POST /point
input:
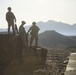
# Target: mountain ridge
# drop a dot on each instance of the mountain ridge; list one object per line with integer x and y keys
{"x": 54, "y": 39}
{"x": 60, "y": 27}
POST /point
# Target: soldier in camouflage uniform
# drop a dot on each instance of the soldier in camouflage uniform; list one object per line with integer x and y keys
{"x": 23, "y": 35}
{"x": 10, "y": 18}
{"x": 34, "y": 34}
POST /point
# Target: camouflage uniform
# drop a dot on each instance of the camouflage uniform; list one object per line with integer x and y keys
{"x": 34, "y": 34}
{"x": 22, "y": 34}
{"x": 10, "y": 17}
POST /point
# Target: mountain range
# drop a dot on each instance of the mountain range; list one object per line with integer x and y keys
{"x": 54, "y": 39}
{"x": 60, "y": 27}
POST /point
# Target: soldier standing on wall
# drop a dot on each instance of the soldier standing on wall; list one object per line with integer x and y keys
{"x": 10, "y": 18}
{"x": 23, "y": 35}
{"x": 34, "y": 34}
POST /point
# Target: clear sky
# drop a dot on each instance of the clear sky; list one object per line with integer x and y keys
{"x": 39, "y": 10}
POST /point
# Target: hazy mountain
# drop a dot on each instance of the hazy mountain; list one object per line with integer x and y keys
{"x": 63, "y": 28}
{"x": 54, "y": 39}
{"x": 3, "y": 30}
{"x": 60, "y": 27}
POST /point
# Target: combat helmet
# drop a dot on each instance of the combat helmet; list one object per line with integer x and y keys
{"x": 9, "y": 8}
{"x": 34, "y": 23}
{"x": 23, "y": 22}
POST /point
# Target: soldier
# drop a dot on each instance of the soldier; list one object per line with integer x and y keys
{"x": 34, "y": 33}
{"x": 10, "y": 18}
{"x": 23, "y": 35}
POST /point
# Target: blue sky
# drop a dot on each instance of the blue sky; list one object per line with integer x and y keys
{"x": 39, "y": 10}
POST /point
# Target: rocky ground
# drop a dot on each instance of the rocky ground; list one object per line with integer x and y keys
{"x": 57, "y": 59}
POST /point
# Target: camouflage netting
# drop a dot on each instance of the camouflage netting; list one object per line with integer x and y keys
{"x": 14, "y": 60}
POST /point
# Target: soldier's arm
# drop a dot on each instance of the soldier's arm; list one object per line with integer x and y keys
{"x": 29, "y": 30}
{"x": 38, "y": 28}
{"x": 14, "y": 17}
{"x": 6, "y": 17}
